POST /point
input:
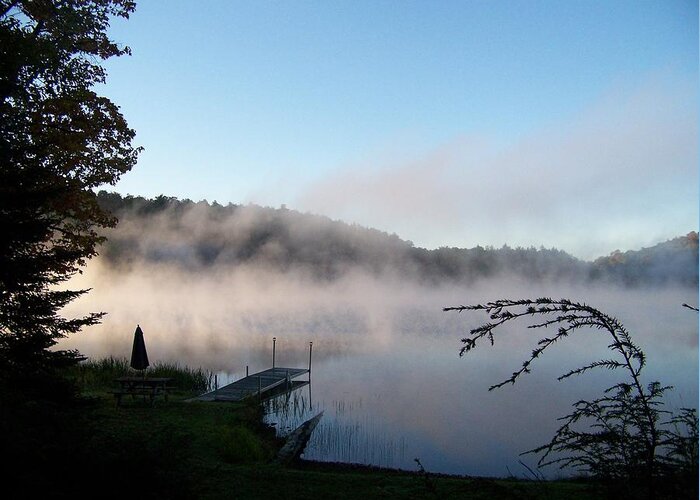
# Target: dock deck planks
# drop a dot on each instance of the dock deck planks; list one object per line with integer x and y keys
{"x": 261, "y": 382}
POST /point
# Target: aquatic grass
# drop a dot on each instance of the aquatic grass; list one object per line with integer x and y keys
{"x": 183, "y": 377}
{"x": 99, "y": 374}
{"x": 341, "y": 436}
{"x": 356, "y": 441}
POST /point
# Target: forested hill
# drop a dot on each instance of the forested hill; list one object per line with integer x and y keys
{"x": 675, "y": 260}
{"x": 200, "y": 234}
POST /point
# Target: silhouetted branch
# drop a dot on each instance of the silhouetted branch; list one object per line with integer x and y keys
{"x": 624, "y": 432}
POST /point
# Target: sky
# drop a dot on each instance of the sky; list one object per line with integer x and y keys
{"x": 564, "y": 124}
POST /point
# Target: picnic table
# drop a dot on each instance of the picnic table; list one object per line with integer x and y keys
{"x": 148, "y": 387}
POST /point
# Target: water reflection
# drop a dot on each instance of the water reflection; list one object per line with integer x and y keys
{"x": 413, "y": 397}
{"x": 347, "y": 432}
{"x": 290, "y": 410}
{"x": 392, "y": 386}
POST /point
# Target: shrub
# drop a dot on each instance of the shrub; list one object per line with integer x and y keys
{"x": 240, "y": 445}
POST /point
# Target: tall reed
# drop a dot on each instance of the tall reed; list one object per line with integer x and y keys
{"x": 99, "y": 374}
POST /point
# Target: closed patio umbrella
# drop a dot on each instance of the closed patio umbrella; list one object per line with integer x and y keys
{"x": 139, "y": 358}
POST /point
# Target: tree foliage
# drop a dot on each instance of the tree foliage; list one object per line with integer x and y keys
{"x": 59, "y": 140}
{"x": 624, "y": 435}
{"x": 196, "y": 235}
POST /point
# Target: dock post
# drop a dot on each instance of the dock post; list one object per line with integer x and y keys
{"x": 274, "y": 339}
{"x": 246, "y": 370}
{"x": 311, "y": 346}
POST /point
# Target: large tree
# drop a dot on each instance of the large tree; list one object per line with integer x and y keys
{"x": 58, "y": 141}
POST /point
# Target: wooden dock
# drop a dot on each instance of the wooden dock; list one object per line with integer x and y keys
{"x": 258, "y": 384}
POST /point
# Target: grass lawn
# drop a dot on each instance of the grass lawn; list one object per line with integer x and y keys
{"x": 221, "y": 450}
{"x": 88, "y": 447}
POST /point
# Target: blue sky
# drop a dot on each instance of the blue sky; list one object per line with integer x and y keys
{"x": 567, "y": 123}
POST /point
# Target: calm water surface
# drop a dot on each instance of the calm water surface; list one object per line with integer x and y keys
{"x": 389, "y": 379}
{"x": 390, "y": 399}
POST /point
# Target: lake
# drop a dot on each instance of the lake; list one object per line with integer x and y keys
{"x": 386, "y": 370}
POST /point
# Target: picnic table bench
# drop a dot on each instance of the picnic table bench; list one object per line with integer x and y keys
{"x": 148, "y": 387}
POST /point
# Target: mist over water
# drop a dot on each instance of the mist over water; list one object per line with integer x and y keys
{"x": 386, "y": 368}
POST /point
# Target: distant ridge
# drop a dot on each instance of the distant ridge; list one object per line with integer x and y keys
{"x": 675, "y": 260}
{"x": 193, "y": 235}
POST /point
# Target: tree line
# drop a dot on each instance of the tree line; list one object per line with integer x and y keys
{"x": 201, "y": 234}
